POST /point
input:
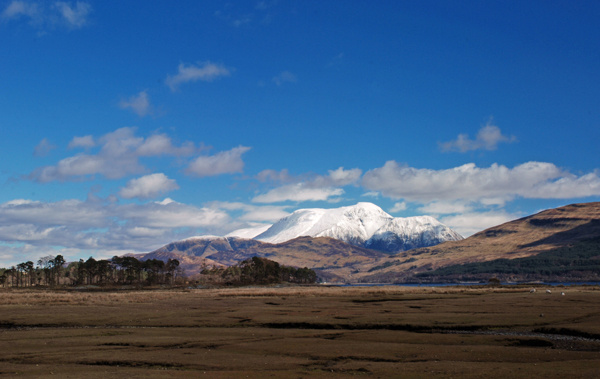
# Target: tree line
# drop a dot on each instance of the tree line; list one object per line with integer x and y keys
{"x": 257, "y": 270}
{"x": 54, "y": 271}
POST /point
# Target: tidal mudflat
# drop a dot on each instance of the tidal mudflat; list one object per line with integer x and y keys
{"x": 302, "y": 332}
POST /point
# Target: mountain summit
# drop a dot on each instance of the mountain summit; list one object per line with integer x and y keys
{"x": 364, "y": 225}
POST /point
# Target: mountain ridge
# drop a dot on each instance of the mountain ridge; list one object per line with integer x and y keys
{"x": 364, "y": 224}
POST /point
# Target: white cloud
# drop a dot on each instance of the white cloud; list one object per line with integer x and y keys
{"x": 470, "y": 223}
{"x": 148, "y": 186}
{"x": 493, "y": 185}
{"x": 307, "y": 187}
{"x": 282, "y": 176}
{"x": 225, "y": 162}
{"x": 284, "y": 77}
{"x": 99, "y": 228}
{"x": 398, "y": 207}
{"x": 568, "y": 186}
{"x": 174, "y": 215}
{"x": 20, "y": 8}
{"x": 42, "y": 15}
{"x": 85, "y": 142}
{"x": 297, "y": 192}
{"x": 161, "y": 144}
{"x": 46, "y": 215}
{"x": 207, "y": 72}
{"x": 252, "y": 212}
{"x": 446, "y": 207}
{"x": 140, "y": 104}
{"x": 118, "y": 156}
{"x": 341, "y": 177}
{"x": 74, "y": 16}
{"x": 165, "y": 201}
{"x": 115, "y": 160}
{"x": 487, "y": 138}
{"x": 373, "y": 194}
{"x": 43, "y": 148}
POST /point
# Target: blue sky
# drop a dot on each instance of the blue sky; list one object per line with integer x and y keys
{"x": 128, "y": 125}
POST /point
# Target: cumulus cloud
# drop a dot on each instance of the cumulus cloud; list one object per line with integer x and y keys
{"x": 206, "y": 71}
{"x": 17, "y": 9}
{"x": 85, "y": 142}
{"x": 487, "y": 138}
{"x": 342, "y": 177}
{"x": 373, "y": 194}
{"x": 44, "y": 15}
{"x": 173, "y": 215}
{"x": 225, "y": 162}
{"x": 298, "y": 192}
{"x": 399, "y": 207}
{"x": 116, "y": 159}
{"x": 43, "y": 148}
{"x": 253, "y": 212}
{"x": 161, "y": 144}
{"x": 76, "y": 15}
{"x": 102, "y": 228}
{"x": 305, "y": 187}
{"x": 446, "y": 207}
{"x": 470, "y": 223}
{"x": 118, "y": 156}
{"x": 492, "y": 185}
{"x": 50, "y": 215}
{"x": 284, "y": 77}
{"x": 148, "y": 186}
{"x": 139, "y": 104}
{"x": 282, "y": 176}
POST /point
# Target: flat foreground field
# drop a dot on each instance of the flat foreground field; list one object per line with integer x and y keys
{"x": 378, "y": 332}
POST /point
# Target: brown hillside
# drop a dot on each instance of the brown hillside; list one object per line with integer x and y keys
{"x": 520, "y": 238}
{"x": 333, "y": 258}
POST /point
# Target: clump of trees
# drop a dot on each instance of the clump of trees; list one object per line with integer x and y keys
{"x": 51, "y": 271}
{"x": 257, "y": 270}
{"x": 26, "y": 274}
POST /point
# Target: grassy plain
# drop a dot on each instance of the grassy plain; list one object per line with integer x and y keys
{"x": 302, "y": 332}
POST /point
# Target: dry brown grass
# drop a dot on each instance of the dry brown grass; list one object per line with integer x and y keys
{"x": 301, "y": 332}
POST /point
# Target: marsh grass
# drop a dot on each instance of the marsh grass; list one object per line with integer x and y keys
{"x": 50, "y": 297}
{"x": 301, "y": 332}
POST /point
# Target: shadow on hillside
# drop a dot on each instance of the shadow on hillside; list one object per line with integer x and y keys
{"x": 579, "y": 233}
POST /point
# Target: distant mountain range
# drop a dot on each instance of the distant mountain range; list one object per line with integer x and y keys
{"x": 561, "y": 243}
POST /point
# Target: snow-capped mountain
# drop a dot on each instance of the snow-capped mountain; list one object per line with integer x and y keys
{"x": 363, "y": 224}
{"x": 410, "y": 233}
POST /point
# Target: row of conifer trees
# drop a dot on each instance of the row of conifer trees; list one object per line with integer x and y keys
{"x": 54, "y": 271}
